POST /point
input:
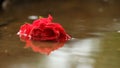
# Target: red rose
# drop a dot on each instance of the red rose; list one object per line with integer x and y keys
{"x": 49, "y": 32}
{"x": 45, "y": 30}
{"x": 40, "y": 30}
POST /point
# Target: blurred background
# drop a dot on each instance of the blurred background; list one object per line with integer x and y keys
{"x": 94, "y": 25}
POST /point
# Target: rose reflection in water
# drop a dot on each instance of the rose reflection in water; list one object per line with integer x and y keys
{"x": 44, "y": 47}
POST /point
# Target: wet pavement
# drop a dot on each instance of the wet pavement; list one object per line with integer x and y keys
{"x": 94, "y": 26}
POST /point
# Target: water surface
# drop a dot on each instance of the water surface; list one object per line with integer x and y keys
{"x": 94, "y": 26}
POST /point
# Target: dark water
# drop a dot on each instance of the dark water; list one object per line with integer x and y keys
{"x": 94, "y": 26}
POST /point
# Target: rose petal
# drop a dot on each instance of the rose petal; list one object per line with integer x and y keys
{"x": 25, "y": 31}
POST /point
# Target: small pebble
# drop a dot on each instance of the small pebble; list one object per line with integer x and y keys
{"x": 33, "y": 17}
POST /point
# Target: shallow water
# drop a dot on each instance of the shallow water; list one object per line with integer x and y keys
{"x": 94, "y": 26}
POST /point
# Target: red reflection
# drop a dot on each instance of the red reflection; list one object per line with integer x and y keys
{"x": 44, "y": 47}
